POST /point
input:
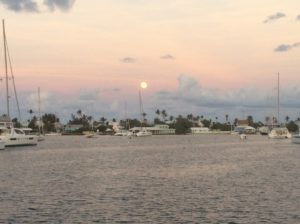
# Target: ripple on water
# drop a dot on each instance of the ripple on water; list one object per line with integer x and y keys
{"x": 162, "y": 179}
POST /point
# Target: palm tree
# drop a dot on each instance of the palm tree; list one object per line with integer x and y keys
{"x": 144, "y": 117}
{"x": 164, "y": 114}
{"x": 226, "y": 117}
{"x": 157, "y": 113}
{"x": 287, "y": 118}
{"x": 190, "y": 117}
{"x": 79, "y": 113}
{"x": 102, "y": 120}
{"x": 267, "y": 119}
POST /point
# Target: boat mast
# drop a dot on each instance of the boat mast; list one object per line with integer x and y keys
{"x": 6, "y": 73}
{"x": 141, "y": 107}
{"x": 278, "y": 99}
{"x": 39, "y": 104}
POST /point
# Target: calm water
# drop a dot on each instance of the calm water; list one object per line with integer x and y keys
{"x": 158, "y": 179}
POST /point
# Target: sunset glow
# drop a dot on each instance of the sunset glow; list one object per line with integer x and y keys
{"x": 192, "y": 51}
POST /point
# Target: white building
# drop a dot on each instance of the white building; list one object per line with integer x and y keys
{"x": 159, "y": 129}
{"x": 199, "y": 130}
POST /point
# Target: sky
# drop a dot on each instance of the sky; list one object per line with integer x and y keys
{"x": 205, "y": 57}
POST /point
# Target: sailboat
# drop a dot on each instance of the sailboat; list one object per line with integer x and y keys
{"x": 10, "y": 135}
{"x": 143, "y": 131}
{"x": 279, "y": 132}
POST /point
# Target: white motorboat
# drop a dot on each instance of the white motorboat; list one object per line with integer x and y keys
{"x": 143, "y": 133}
{"x": 123, "y": 133}
{"x": 296, "y": 139}
{"x": 29, "y": 131}
{"x": 16, "y": 137}
{"x": 264, "y": 130}
{"x": 279, "y": 133}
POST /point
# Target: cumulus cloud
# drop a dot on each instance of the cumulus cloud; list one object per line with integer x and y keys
{"x": 60, "y": 4}
{"x": 20, "y": 5}
{"x": 191, "y": 97}
{"x": 128, "y": 60}
{"x": 274, "y": 17}
{"x": 286, "y": 47}
{"x": 36, "y": 6}
{"x": 168, "y": 57}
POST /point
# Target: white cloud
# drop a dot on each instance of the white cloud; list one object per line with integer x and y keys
{"x": 191, "y": 97}
{"x": 36, "y": 6}
{"x": 286, "y": 47}
{"x": 274, "y": 17}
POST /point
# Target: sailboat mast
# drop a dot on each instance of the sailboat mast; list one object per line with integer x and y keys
{"x": 39, "y": 103}
{"x": 278, "y": 99}
{"x": 6, "y": 70}
{"x": 141, "y": 106}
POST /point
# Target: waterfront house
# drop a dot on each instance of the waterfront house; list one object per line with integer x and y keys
{"x": 73, "y": 128}
{"x": 199, "y": 130}
{"x": 159, "y": 129}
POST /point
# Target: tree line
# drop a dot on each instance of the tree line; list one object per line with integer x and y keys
{"x": 182, "y": 124}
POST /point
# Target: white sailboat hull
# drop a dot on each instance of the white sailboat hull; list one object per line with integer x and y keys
{"x": 16, "y": 137}
{"x": 20, "y": 140}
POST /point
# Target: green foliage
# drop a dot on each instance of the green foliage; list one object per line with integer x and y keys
{"x": 250, "y": 120}
{"x": 32, "y": 123}
{"x": 182, "y": 126}
{"x": 16, "y": 123}
{"x": 221, "y": 127}
{"x": 101, "y": 128}
{"x": 206, "y": 123}
{"x": 82, "y": 119}
{"x": 292, "y": 126}
{"x": 134, "y": 123}
{"x": 49, "y": 121}
{"x": 158, "y": 121}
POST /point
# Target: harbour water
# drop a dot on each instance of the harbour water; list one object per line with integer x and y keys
{"x": 158, "y": 179}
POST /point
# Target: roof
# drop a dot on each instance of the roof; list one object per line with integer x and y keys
{"x": 242, "y": 122}
{"x": 5, "y": 118}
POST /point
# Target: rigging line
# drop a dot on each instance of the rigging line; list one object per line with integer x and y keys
{"x": 13, "y": 80}
{"x": 5, "y": 63}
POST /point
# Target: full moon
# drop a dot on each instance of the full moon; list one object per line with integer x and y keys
{"x": 144, "y": 85}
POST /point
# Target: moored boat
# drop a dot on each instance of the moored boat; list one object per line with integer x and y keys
{"x": 143, "y": 133}
{"x": 264, "y": 130}
{"x": 16, "y": 137}
{"x": 279, "y": 133}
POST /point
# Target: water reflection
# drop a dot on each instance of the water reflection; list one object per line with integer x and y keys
{"x": 161, "y": 179}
